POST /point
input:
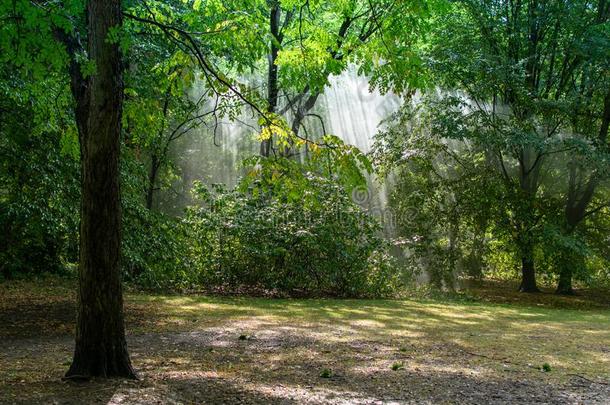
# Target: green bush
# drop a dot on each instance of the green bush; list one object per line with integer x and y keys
{"x": 153, "y": 250}
{"x": 286, "y": 228}
{"x": 298, "y": 239}
{"x": 38, "y": 206}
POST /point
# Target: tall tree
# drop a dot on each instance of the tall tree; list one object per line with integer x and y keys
{"x": 305, "y": 43}
{"x": 531, "y": 72}
{"x": 101, "y": 349}
{"x": 588, "y": 77}
{"x": 443, "y": 196}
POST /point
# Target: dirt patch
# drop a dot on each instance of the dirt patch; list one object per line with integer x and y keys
{"x": 282, "y": 365}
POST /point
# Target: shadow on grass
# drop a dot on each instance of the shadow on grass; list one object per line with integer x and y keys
{"x": 187, "y": 348}
{"x": 283, "y": 364}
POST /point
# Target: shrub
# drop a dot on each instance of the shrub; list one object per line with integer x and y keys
{"x": 305, "y": 238}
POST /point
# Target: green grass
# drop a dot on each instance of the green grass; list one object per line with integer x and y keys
{"x": 520, "y": 335}
{"x": 574, "y": 341}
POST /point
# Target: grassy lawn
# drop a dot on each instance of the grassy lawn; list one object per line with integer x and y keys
{"x": 254, "y": 350}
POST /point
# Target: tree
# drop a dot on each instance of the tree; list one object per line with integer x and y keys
{"x": 31, "y": 33}
{"x": 529, "y": 71}
{"x": 101, "y": 349}
{"x": 158, "y": 112}
{"x": 444, "y": 198}
{"x": 297, "y": 46}
{"x": 313, "y": 42}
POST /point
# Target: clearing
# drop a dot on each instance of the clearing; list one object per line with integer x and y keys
{"x": 199, "y": 349}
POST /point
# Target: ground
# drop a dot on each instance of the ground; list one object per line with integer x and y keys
{"x": 198, "y": 349}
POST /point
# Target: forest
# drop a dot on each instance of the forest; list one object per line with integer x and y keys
{"x": 304, "y": 201}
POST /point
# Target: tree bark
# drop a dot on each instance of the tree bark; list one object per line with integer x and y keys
{"x": 567, "y": 263}
{"x": 564, "y": 286}
{"x": 526, "y": 245}
{"x": 101, "y": 349}
{"x": 528, "y": 275}
{"x": 525, "y": 239}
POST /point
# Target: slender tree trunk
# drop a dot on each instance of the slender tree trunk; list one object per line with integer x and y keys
{"x": 158, "y": 157}
{"x": 578, "y": 200}
{"x": 453, "y": 254}
{"x": 272, "y": 78}
{"x": 152, "y": 179}
{"x": 100, "y": 349}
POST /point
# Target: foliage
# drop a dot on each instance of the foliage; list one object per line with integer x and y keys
{"x": 455, "y": 212}
{"x": 38, "y": 190}
{"x": 442, "y": 194}
{"x": 38, "y": 206}
{"x": 513, "y": 145}
{"x": 504, "y": 161}
{"x": 326, "y": 373}
{"x": 290, "y": 233}
{"x": 153, "y": 243}
{"x": 40, "y": 213}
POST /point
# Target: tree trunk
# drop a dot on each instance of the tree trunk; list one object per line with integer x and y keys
{"x": 272, "y": 79}
{"x": 152, "y": 179}
{"x": 530, "y": 162}
{"x": 577, "y": 202}
{"x": 475, "y": 261}
{"x": 526, "y": 250}
{"x": 309, "y": 103}
{"x": 299, "y": 115}
{"x": 528, "y": 272}
{"x": 564, "y": 286}
{"x": 101, "y": 349}
{"x": 568, "y": 260}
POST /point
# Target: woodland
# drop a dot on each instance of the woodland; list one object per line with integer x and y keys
{"x": 304, "y": 201}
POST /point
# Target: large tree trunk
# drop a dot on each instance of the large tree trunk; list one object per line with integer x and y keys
{"x": 528, "y": 270}
{"x": 528, "y": 274}
{"x": 526, "y": 244}
{"x": 564, "y": 286}
{"x": 100, "y": 349}
{"x": 568, "y": 260}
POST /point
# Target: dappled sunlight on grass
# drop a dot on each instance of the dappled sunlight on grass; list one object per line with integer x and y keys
{"x": 527, "y": 336}
{"x": 273, "y": 350}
